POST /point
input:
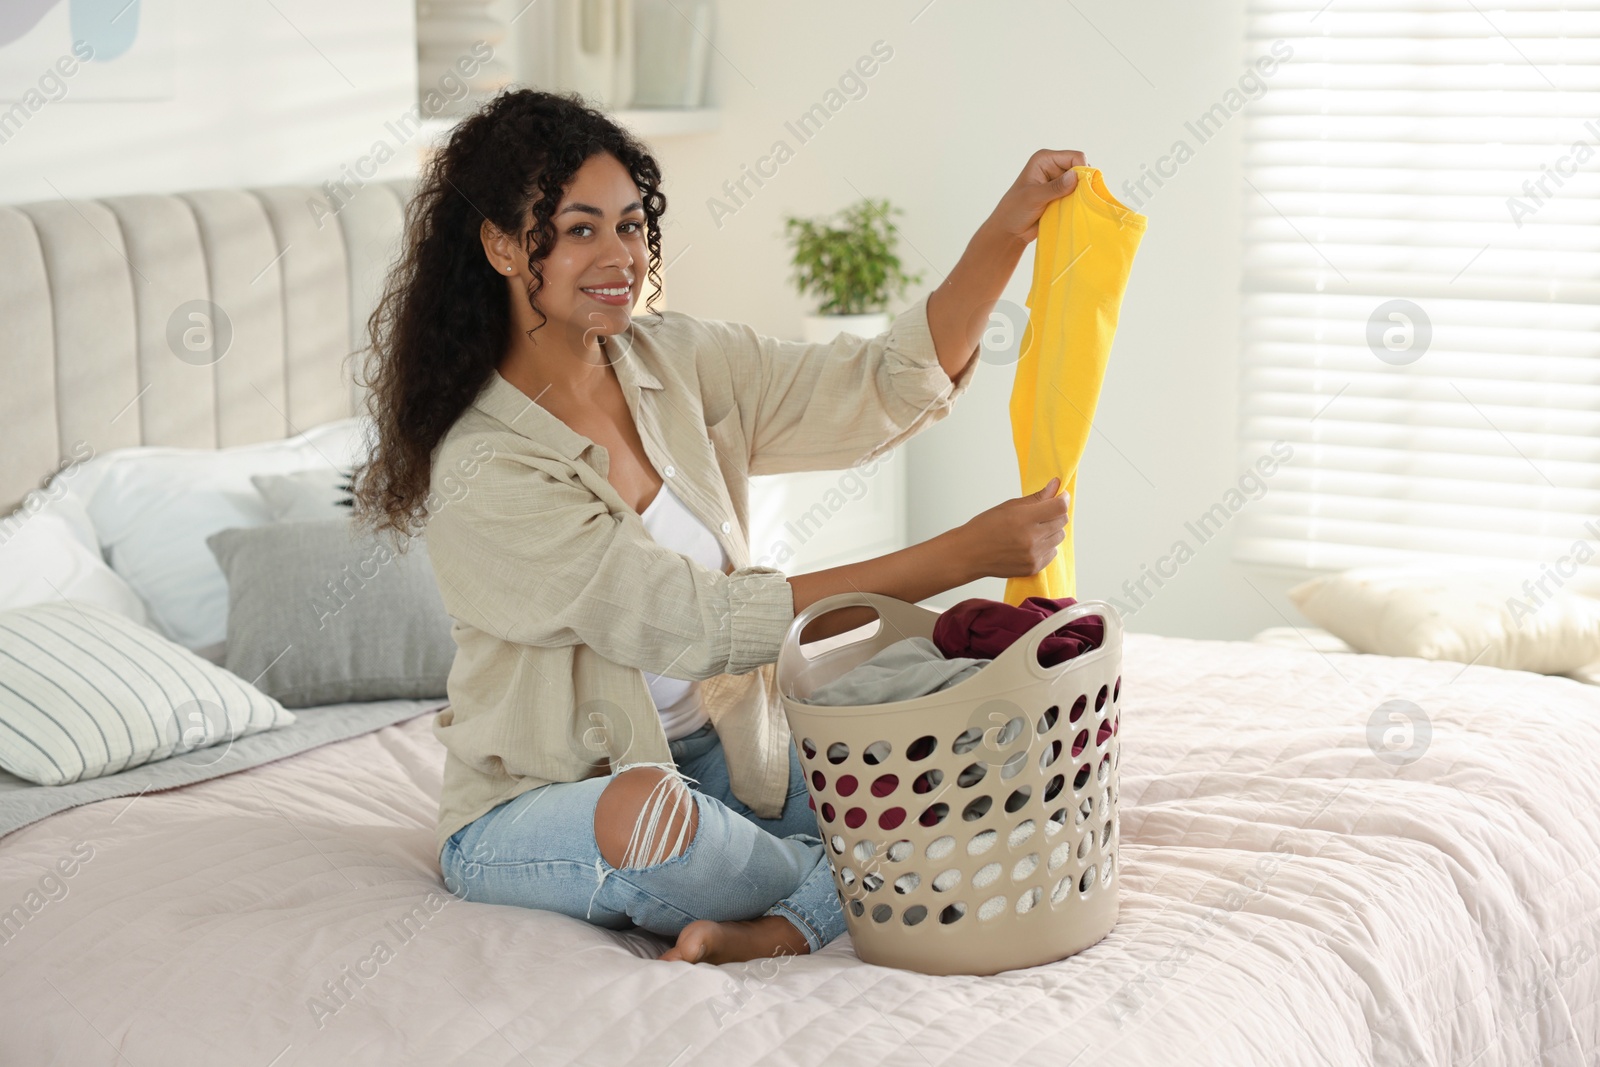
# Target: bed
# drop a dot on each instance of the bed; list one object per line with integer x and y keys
{"x": 1298, "y": 886}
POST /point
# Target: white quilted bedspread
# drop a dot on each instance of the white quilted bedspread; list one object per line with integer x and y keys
{"x": 1288, "y": 897}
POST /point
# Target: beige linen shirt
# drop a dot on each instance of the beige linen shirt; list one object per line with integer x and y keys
{"x": 560, "y": 597}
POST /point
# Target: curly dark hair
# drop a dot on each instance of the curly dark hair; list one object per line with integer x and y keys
{"x": 441, "y": 326}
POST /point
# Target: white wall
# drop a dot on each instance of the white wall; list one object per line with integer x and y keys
{"x": 944, "y": 127}
{"x": 261, "y": 94}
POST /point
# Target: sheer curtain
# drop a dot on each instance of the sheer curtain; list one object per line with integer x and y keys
{"x": 1421, "y": 314}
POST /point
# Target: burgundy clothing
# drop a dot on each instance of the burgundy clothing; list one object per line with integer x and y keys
{"x": 985, "y": 628}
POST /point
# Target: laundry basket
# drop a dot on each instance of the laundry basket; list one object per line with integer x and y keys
{"x": 973, "y": 830}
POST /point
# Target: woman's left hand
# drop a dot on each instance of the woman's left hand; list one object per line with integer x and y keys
{"x": 1047, "y": 176}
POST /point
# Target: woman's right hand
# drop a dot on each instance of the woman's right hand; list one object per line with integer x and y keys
{"x": 1018, "y": 537}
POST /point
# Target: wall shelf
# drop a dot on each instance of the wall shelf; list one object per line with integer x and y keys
{"x": 643, "y": 122}
{"x": 670, "y": 121}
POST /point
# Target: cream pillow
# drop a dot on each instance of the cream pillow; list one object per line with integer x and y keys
{"x": 1588, "y": 674}
{"x": 1483, "y": 617}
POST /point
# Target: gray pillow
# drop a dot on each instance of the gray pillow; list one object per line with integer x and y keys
{"x": 320, "y": 614}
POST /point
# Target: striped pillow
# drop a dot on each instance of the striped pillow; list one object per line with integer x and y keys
{"x": 86, "y": 692}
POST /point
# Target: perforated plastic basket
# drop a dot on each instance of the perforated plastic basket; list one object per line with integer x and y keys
{"x": 973, "y": 830}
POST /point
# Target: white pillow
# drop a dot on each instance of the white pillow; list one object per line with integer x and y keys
{"x": 85, "y": 692}
{"x": 48, "y": 552}
{"x": 313, "y": 495}
{"x": 1301, "y": 637}
{"x": 1482, "y": 616}
{"x": 153, "y": 509}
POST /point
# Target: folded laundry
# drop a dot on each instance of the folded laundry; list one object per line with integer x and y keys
{"x": 981, "y": 627}
{"x": 911, "y": 668}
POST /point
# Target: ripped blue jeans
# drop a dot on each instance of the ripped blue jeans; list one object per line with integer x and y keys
{"x": 538, "y": 850}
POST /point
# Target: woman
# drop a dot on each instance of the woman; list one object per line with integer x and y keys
{"x": 615, "y": 749}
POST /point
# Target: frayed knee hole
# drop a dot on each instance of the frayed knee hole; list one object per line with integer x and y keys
{"x": 645, "y": 817}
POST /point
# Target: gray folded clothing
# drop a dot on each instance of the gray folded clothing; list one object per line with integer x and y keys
{"x": 911, "y": 668}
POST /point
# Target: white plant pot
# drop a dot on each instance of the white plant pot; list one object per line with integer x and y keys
{"x": 822, "y": 328}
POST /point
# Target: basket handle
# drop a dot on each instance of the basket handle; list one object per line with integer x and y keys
{"x": 896, "y": 614}
{"x": 1027, "y": 646}
{"x": 905, "y": 617}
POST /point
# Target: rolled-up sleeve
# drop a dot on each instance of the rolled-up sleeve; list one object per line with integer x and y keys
{"x": 833, "y": 404}
{"x": 537, "y": 559}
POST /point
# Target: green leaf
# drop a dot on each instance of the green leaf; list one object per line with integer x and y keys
{"x": 848, "y": 263}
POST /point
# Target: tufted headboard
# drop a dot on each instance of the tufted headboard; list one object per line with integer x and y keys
{"x": 107, "y": 339}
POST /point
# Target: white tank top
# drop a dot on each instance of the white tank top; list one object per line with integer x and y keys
{"x": 674, "y": 526}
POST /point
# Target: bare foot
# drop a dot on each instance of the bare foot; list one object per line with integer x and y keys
{"x": 705, "y": 941}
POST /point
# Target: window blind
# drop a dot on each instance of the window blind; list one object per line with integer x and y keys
{"x": 1421, "y": 305}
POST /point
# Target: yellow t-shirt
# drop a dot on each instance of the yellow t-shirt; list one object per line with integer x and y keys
{"x": 1085, "y": 248}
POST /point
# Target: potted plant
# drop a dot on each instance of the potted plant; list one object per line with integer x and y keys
{"x": 850, "y": 267}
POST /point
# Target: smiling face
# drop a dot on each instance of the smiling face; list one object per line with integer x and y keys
{"x": 596, "y": 269}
